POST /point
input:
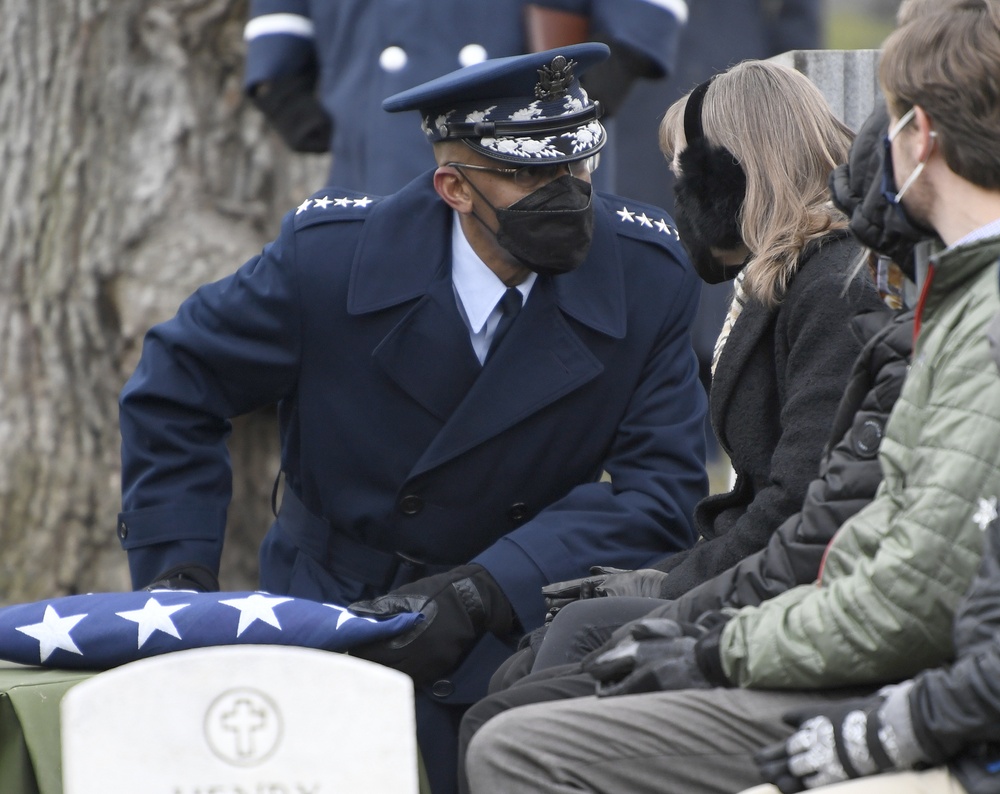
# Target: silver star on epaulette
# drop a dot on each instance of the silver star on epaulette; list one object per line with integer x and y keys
{"x": 342, "y": 202}
{"x": 323, "y": 203}
{"x": 625, "y": 215}
{"x": 303, "y": 206}
{"x": 987, "y": 512}
{"x": 362, "y": 202}
{"x": 644, "y": 220}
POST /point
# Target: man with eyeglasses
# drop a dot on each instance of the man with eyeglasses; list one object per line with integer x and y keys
{"x": 485, "y": 383}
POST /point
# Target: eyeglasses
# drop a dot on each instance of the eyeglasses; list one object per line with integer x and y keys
{"x": 532, "y": 177}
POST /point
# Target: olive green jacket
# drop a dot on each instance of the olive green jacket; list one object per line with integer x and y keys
{"x": 893, "y": 574}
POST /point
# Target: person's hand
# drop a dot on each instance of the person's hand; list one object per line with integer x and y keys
{"x": 843, "y": 741}
{"x": 651, "y": 655}
{"x": 459, "y": 606}
{"x": 189, "y": 576}
{"x": 602, "y": 582}
{"x": 290, "y": 106}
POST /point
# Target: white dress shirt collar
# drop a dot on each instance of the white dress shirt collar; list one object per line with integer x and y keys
{"x": 477, "y": 287}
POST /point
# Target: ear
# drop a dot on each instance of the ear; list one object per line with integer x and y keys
{"x": 453, "y": 189}
{"x": 926, "y": 134}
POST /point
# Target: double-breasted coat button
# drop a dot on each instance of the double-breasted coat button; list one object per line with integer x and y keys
{"x": 518, "y": 512}
{"x": 442, "y": 688}
{"x": 471, "y": 53}
{"x": 122, "y": 530}
{"x": 392, "y": 59}
{"x": 411, "y": 504}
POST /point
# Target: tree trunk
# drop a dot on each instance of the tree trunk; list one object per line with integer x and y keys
{"x": 133, "y": 171}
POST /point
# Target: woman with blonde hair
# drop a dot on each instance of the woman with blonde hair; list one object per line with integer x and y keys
{"x": 752, "y": 150}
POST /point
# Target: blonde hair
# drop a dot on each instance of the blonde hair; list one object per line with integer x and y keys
{"x": 786, "y": 138}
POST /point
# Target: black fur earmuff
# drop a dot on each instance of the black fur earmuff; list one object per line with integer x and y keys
{"x": 708, "y": 196}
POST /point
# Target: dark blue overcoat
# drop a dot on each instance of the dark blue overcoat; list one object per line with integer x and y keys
{"x": 395, "y": 439}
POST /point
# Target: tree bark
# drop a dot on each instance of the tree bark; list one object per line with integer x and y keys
{"x": 133, "y": 171}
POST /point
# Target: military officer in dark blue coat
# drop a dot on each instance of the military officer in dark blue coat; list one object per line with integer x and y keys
{"x": 318, "y": 68}
{"x": 456, "y": 365}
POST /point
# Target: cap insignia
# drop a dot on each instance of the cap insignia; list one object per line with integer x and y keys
{"x": 554, "y": 80}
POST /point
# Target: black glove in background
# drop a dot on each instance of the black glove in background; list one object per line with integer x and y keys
{"x": 655, "y": 655}
{"x": 603, "y": 581}
{"x": 189, "y": 576}
{"x": 290, "y": 105}
{"x": 609, "y": 82}
{"x": 459, "y": 606}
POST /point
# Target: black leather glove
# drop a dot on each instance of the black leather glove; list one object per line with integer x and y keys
{"x": 656, "y": 655}
{"x": 459, "y": 606}
{"x": 290, "y": 105}
{"x": 843, "y": 741}
{"x": 610, "y": 81}
{"x": 189, "y": 576}
{"x": 603, "y": 581}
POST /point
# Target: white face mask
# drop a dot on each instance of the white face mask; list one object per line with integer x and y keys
{"x": 898, "y": 127}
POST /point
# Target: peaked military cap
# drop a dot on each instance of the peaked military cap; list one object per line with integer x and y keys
{"x": 525, "y": 109}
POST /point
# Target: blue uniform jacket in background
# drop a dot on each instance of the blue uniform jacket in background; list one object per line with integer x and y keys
{"x": 393, "y": 432}
{"x": 367, "y": 50}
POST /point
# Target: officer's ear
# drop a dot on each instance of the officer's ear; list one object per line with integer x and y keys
{"x": 453, "y": 189}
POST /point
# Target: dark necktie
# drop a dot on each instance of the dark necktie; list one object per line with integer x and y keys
{"x": 510, "y": 305}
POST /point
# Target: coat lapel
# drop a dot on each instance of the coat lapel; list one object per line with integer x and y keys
{"x": 429, "y": 353}
{"x": 540, "y": 360}
{"x": 752, "y": 323}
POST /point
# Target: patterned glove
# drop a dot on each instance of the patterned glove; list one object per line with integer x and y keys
{"x": 656, "y": 655}
{"x": 847, "y": 740}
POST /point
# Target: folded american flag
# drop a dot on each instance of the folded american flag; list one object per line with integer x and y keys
{"x": 101, "y": 630}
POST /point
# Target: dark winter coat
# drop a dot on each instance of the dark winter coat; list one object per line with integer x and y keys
{"x": 405, "y": 452}
{"x": 778, "y": 382}
{"x": 849, "y": 476}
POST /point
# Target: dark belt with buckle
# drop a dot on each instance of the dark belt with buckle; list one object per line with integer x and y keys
{"x": 315, "y": 536}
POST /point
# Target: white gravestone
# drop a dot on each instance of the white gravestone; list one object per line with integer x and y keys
{"x": 241, "y": 720}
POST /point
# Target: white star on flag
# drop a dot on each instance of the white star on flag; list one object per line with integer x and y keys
{"x": 53, "y": 632}
{"x": 346, "y": 615}
{"x": 322, "y": 203}
{"x": 625, "y": 215}
{"x": 255, "y": 607}
{"x": 362, "y": 202}
{"x": 986, "y": 513}
{"x": 644, "y": 220}
{"x": 153, "y": 617}
{"x": 303, "y": 206}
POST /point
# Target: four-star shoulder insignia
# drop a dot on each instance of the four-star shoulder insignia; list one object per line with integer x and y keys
{"x": 330, "y": 207}
{"x": 640, "y": 218}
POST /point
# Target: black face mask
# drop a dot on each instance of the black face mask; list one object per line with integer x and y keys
{"x": 549, "y": 230}
{"x": 899, "y": 231}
